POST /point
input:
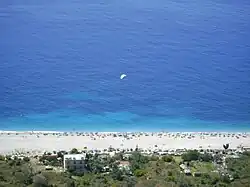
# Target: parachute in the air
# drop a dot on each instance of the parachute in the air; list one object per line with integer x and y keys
{"x": 123, "y": 76}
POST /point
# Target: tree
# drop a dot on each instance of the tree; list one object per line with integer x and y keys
{"x": 191, "y": 155}
{"x": 117, "y": 173}
{"x": 138, "y": 161}
{"x": 118, "y": 156}
{"x": 206, "y": 157}
{"x": 74, "y": 151}
{"x": 59, "y": 154}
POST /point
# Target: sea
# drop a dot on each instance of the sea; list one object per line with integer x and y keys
{"x": 187, "y": 65}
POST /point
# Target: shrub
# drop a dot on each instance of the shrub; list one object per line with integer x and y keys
{"x": 22, "y": 178}
{"x": 236, "y": 176}
{"x": 154, "y": 158}
{"x": 140, "y": 172}
{"x": 40, "y": 181}
{"x": 11, "y": 162}
{"x": 167, "y": 158}
{"x": 18, "y": 163}
{"x": 225, "y": 179}
{"x": 171, "y": 178}
{"x": 2, "y": 157}
{"x": 170, "y": 173}
{"x": 246, "y": 153}
{"x": 8, "y": 157}
{"x": 70, "y": 184}
{"x": 26, "y": 159}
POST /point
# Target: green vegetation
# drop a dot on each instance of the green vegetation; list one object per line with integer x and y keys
{"x": 15, "y": 173}
{"x": 167, "y": 158}
{"x": 191, "y": 155}
{"x": 74, "y": 151}
{"x": 206, "y": 157}
{"x": 51, "y": 160}
{"x": 239, "y": 168}
{"x": 202, "y": 167}
{"x": 177, "y": 159}
{"x": 138, "y": 161}
{"x": 135, "y": 171}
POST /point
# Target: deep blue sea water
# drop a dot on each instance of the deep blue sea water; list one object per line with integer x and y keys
{"x": 187, "y": 65}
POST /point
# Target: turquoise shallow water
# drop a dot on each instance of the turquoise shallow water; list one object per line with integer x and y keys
{"x": 187, "y": 65}
{"x": 111, "y": 121}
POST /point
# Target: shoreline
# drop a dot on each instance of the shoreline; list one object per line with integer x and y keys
{"x": 124, "y": 132}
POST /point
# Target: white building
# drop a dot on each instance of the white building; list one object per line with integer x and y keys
{"x": 74, "y": 162}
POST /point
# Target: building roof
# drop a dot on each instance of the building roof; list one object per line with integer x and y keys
{"x": 124, "y": 163}
{"x": 75, "y": 156}
{"x": 187, "y": 171}
{"x": 183, "y": 166}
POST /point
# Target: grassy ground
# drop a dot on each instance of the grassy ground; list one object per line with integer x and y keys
{"x": 177, "y": 159}
{"x": 204, "y": 167}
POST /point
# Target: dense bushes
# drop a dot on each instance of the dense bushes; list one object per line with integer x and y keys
{"x": 239, "y": 168}
{"x": 191, "y": 155}
{"x": 138, "y": 161}
{"x": 167, "y": 158}
{"x": 50, "y": 160}
{"x": 206, "y": 157}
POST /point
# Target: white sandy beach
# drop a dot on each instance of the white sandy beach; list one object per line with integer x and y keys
{"x": 12, "y": 141}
